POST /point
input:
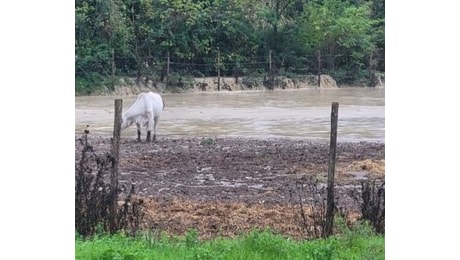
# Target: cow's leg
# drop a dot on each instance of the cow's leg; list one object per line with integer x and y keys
{"x": 149, "y": 127}
{"x": 148, "y": 131}
{"x": 155, "y": 125}
{"x": 138, "y": 125}
{"x": 148, "y": 135}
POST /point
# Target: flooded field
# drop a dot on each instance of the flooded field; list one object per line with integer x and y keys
{"x": 232, "y": 161}
{"x": 299, "y": 114}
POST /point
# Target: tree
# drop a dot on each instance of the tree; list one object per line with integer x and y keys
{"x": 102, "y": 38}
{"x": 123, "y": 37}
{"x": 341, "y": 32}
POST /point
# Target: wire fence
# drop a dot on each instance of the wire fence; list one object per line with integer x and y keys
{"x": 163, "y": 69}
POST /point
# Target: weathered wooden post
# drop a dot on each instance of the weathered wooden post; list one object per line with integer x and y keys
{"x": 114, "y": 68}
{"x": 331, "y": 171}
{"x": 115, "y": 154}
{"x": 167, "y": 69}
{"x": 270, "y": 70}
{"x": 319, "y": 67}
{"x": 218, "y": 70}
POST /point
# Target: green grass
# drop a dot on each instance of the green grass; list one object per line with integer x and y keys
{"x": 359, "y": 243}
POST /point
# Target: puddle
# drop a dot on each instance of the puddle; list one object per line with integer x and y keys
{"x": 360, "y": 175}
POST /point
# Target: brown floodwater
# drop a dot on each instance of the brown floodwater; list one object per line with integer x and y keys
{"x": 299, "y": 113}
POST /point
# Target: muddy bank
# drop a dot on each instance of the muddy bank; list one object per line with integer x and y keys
{"x": 223, "y": 186}
{"x": 130, "y": 86}
{"x": 236, "y": 169}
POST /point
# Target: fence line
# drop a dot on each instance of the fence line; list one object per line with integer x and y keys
{"x": 219, "y": 66}
{"x": 228, "y": 67}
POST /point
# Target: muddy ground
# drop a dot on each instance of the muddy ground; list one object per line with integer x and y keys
{"x": 225, "y": 186}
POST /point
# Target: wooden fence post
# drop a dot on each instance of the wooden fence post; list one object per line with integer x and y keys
{"x": 331, "y": 172}
{"x": 114, "y": 68}
{"x": 218, "y": 70}
{"x": 319, "y": 68}
{"x": 167, "y": 70}
{"x": 115, "y": 154}
{"x": 270, "y": 70}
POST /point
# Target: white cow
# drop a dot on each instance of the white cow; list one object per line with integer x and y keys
{"x": 146, "y": 110}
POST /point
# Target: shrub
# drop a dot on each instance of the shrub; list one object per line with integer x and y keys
{"x": 95, "y": 196}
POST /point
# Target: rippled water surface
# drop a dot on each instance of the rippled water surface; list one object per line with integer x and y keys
{"x": 300, "y": 113}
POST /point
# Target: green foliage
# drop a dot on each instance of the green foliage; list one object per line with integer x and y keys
{"x": 85, "y": 85}
{"x": 134, "y": 37}
{"x": 191, "y": 238}
{"x": 344, "y": 33}
{"x": 357, "y": 243}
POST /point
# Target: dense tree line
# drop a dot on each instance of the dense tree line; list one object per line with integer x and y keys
{"x": 343, "y": 38}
